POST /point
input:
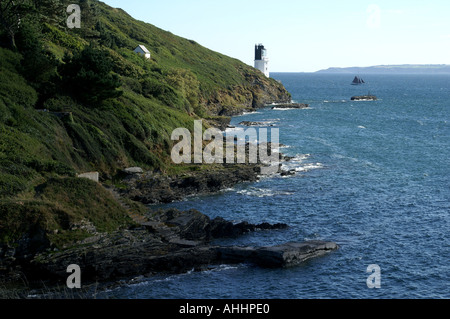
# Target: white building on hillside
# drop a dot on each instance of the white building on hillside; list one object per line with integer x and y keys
{"x": 142, "y": 50}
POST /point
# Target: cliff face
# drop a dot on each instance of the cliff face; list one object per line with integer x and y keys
{"x": 248, "y": 97}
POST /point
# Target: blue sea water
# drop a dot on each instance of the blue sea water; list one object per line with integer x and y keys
{"x": 372, "y": 176}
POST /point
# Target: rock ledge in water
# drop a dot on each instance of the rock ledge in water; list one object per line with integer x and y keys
{"x": 286, "y": 255}
{"x": 364, "y": 98}
{"x": 291, "y": 106}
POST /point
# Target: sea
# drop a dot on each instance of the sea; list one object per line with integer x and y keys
{"x": 372, "y": 176}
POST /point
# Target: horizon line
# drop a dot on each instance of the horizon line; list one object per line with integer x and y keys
{"x": 368, "y": 67}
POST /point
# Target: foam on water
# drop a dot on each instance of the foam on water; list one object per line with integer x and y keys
{"x": 284, "y": 108}
{"x": 264, "y": 192}
{"x": 309, "y": 167}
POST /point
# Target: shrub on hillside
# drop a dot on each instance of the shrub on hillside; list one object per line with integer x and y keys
{"x": 88, "y": 76}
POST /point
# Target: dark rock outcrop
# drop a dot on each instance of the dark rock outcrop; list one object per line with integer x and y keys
{"x": 220, "y": 228}
{"x": 133, "y": 170}
{"x": 291, "y": 106}
{"x": 286, "y": 255}
{"x": 195, "y": 226}
{"x": 154, "y": 188}
{"x": 364, "y": 98}
{"x": 137, "y": 253}
{"x": 173, "y": 242}
{"x": 250, "y": 123}
{"x": 259, "y": 92}
{"x": 157, "y": 188}
{"x": 285, "y": 173}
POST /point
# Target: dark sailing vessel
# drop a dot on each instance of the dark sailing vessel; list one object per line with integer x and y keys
{"x": 358, "y": 81}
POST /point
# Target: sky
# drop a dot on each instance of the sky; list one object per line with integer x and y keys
{"x": 307, "y": 36}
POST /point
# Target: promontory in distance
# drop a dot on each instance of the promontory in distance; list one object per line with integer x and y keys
{"x": 392, "y": 69}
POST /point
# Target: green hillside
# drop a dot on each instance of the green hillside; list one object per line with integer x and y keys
{"x": 80, "y": 100}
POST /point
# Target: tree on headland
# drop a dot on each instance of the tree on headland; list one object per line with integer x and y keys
{"x": 11, "y": 14}
{"x": 88, "y": 76}
{"x": 51, "y": 11}
{"x": 38, "y": 64}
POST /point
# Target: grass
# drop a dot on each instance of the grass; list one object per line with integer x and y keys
{"x": 58, "y": 204}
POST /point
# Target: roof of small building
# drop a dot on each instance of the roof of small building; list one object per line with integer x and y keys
{"x": 143, "y": 48}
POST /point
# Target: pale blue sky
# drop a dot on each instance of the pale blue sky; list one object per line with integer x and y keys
{"x": 305, "y": 36}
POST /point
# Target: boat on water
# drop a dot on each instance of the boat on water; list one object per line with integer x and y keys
{"x": 358, "y": 81}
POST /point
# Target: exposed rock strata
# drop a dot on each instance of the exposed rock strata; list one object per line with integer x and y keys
{"x": 285, "y": 255}
{"x": 154, "y": 188}
{"x": 247, "y": 98}
{"x": 158, "y": 188}
{"x": 173, "y": 242}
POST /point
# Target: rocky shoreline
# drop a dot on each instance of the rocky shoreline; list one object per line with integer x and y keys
{"x": 168, "y": 242}
{"x": 165, "y": 241}
{"x": 157, "y": 188}
{"x": 171, "y": 241}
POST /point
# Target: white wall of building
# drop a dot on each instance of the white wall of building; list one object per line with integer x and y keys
{"x": 263, "y": 66}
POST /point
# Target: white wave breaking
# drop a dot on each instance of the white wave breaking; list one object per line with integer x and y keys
{"x": 299, "y": 165}
{"x": 263, "y": 192}
{"x": 284, "y": 109}
{"x": 309, "y": 167}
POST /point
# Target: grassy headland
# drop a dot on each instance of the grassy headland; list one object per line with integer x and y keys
{"x": 80, "y": 100}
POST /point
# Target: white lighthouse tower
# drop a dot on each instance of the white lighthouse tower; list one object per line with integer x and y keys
{"x": 261, "y": 59}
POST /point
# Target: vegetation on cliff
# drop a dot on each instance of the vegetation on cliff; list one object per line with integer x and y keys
{"x": 80, "y": 100}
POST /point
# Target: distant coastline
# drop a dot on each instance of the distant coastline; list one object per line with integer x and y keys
{"x": 392, "y": 69}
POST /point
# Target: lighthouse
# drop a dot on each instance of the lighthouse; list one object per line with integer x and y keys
{"x": 261, "y": 60}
